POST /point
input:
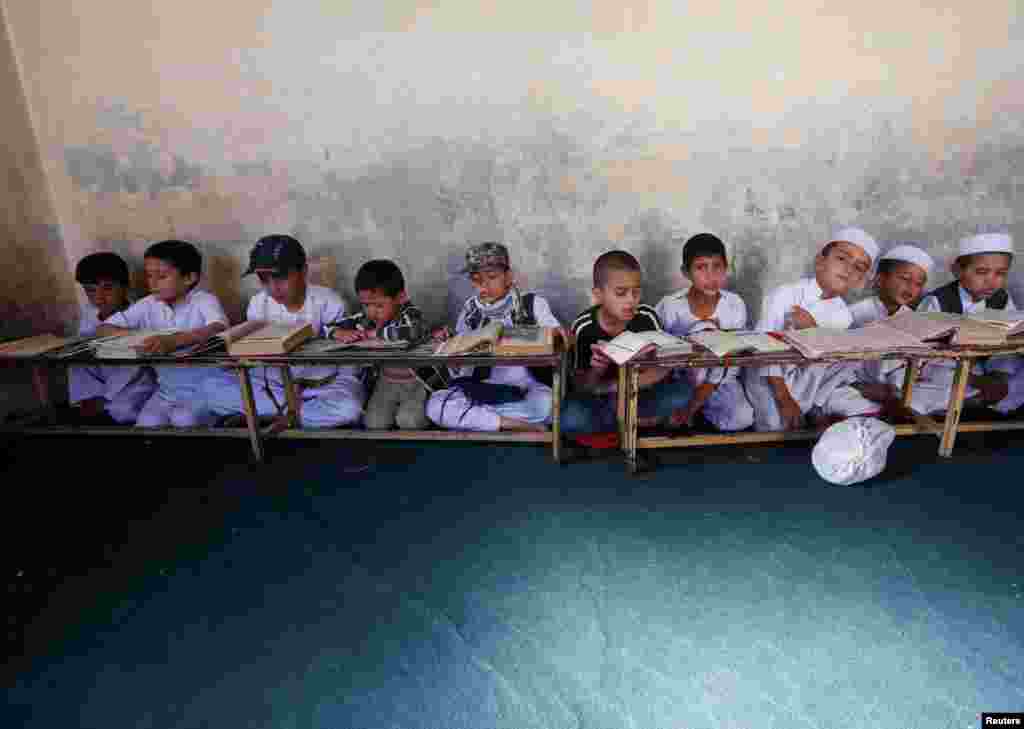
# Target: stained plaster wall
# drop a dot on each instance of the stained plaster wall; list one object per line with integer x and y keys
{"x": 406, "y": 130}
{"x": 36, "y": 290}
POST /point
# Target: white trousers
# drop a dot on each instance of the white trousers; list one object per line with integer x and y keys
{"x": 825, "y": 388}
{"x": 452, "y": 409}
{"x": 331, "y": 406}
{"x": 934, "y": 387}
{"x": 728, "y": 407}
{"x": 180, "y": 407}
{"x": 125, "y": 390}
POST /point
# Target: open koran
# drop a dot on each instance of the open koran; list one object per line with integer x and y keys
{"x": 930, "y": 326}
{"x": 722, "y": 343}
{"x": 126, "y": 345}
{"x": 629, "y": 345}
{"x": 478, "y": 340}
{"x": 817, "y": 342}
{"x": 259, "y": 338}
{"x": 525, "y": 341}
{"x": 1010, "y": 321}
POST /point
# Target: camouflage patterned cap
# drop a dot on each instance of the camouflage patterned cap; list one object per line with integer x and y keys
{"x": 486, "y": 256}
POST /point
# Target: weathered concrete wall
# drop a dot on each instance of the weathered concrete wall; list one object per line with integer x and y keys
{"x": 36, "y": 289}
{"x": 406, "y": 130}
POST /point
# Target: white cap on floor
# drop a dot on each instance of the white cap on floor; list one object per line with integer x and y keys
{"x": 852, "y": 450}
{"x": 909, "y": 254}
{"x": 986, "y": 243}
{"x": 859, "y": 238}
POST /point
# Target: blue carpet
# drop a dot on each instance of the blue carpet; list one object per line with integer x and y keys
{"x": 481, "y": 586}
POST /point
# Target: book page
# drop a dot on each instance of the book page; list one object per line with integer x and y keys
{"x": 472, "y": 341}
{"x": 1012, "y": 321}
{"x": 723, "y": 343}
{"x": 820, "y": 341}
{"x": 924, "y": 325}
{"x": 272, "y": 331}
{"x": 624, "y": 347}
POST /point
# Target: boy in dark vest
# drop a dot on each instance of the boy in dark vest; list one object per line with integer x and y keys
{"x": 981, "y": 269}
{"x": 521, "y": 401}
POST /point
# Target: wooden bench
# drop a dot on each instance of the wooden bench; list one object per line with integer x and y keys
{"x": 44, "y": 421}
{"x": 945, "y": 429}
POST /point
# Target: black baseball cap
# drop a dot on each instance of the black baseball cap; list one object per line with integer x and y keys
{"x": 276, "y": 254}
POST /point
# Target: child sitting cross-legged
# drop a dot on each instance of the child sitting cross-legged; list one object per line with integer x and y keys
{"x": 593, "y": 403}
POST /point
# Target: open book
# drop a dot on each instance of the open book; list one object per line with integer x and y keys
{"x": 629, "y": 345}
{"x": 126, "y": 345}
{"x": 501, "y": 340}
{"x": 939, "y": 325}
{"x": 722, "y": 343}
{"x": 258, "y": 338}
{"x": 875, "y": 337}
{"x": 1011, "y": 321}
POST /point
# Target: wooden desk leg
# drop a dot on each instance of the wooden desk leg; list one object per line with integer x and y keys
{"x": 556, "y": 412}
{"x": 632, "y": 395}
{"x": 294, "y": 411}
{"x": 41, "y": 385}
{"x": 250, "y": 412}
{"x": 955, "y": 407}
{"x": 909, "y": 378}
{"x": 620, "y": 404}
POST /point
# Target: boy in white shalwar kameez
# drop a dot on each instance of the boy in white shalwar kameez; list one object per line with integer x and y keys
{"x": 902, "y": 275}
{"x": 783, "y": 395}
{"x": 705, "y": 305}
{"x": 101, "y": 393}
{"x": 981, "y": 269}
{"x": 330, "y": 396}
{"x": 173, "y": 268}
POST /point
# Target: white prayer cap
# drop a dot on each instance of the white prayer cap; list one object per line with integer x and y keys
{"x": 852, "y": 450}
{"x": 859, "y": 238}
{"x": 986, "y": 243}
{"x": 909, "y": 254}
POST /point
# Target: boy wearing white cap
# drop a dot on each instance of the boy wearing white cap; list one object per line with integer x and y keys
{"x": 981, "y": 269}
{"x": 782, "y": 395}
{"x": 900, "y": 281}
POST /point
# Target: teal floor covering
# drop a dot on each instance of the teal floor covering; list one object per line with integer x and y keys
{"x": 173, "y": 584}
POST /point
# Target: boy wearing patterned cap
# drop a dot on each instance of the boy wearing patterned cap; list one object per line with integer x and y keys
{"x": 783, "y": 395}
{"x": 981, "y": 269}
{"x": 525, "y": 403}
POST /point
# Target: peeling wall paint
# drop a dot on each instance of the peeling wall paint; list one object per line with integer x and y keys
{"x": 408, "y": 130}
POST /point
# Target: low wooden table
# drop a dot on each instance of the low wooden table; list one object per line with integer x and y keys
{"x": 946, "y": 429}
{"x": 44, "y": 421}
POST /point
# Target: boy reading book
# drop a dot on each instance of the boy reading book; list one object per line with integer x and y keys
{"x": 495, "y": 398}
{"x": 106, "y": 394}
{"x": 592, "y": 406}
{"x": 173, "y": 268}
{"x": 707, "y": 305}
{"x": 980, "y": 272}
{"x": 329, "y": 396}
{"x": 398, "y": 396}
{"x": 782, "y": 395}
{"x": 899, "y": 282}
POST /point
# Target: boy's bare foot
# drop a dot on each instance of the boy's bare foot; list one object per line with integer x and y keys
{"x": 515, "y": 424}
